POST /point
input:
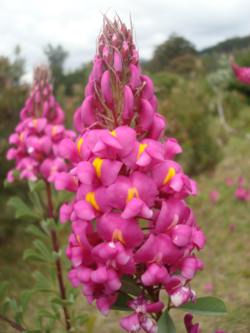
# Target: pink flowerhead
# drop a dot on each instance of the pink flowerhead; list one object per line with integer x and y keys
{"x": 37, "y": 136}
{"x": 129, "y": 217}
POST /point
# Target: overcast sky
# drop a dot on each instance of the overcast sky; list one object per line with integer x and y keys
{"x": 76, "y": 23}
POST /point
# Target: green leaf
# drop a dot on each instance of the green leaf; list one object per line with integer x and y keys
{"x": 21, "y": 209}
{"x": 166, "y": 324}
{"x": 35, "y": 231}
{"x": 46, "y": 314}
{"x": 3, "y": 289}
{"x": 25, "y": 298}
{"x": 129, "y": 286}
{"x": 36, "y": 202}
{"x": 121, "y": 303}
{"x": 43, "y": 249}
{"x": 5, "y": 306}
{"x": 36, "y": 186}
{"x": 42, "y": 283}
{"x": 81, "y": 319}
{"x": 206, "y": 306}
{"x": 30, "y": 254}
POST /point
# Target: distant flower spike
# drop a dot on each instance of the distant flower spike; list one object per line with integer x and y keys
{"x": 37, "y": 136}
{"x": 241, "y": 73}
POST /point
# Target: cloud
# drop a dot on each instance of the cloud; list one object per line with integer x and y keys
{"x": 76, "y": 24}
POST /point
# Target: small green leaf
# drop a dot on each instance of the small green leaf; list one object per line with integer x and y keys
{"x": 206, "y": 306}
{"x": 36, "y": 186}
{"x": 121, "y": 303}
{"x": 46, "y": 314}
{"x": 5, "y": 306}
{"x": 22, "y": 210}
{"x": 37, "y": 232}
{"x": 166, "y": 324}
{"x": 44, "y": 250}
{"x": 3, "y": 289}
{"x": 129, "y": 286}
{"x": 42, "y": 283}
{"x": 30, "y": 254}
{"x": 25, "y": 298}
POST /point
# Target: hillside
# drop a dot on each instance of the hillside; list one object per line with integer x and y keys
{"x": 228, "y": 46}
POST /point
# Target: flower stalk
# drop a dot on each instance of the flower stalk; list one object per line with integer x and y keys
{"x": 56, "y": 249}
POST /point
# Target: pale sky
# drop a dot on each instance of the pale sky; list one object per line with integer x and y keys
{"x": 75, "y": 24}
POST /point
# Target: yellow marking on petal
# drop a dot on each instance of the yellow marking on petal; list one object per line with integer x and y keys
{"x": 113, "y": 133}
{"x": 35, "y": 122}
{"x": 142, "y": 147}
{"x": 79, "y": 145}
{"x": 97, "y": 164}
{"x": 132, "y": 193}
{"x": 21, "y": 136}
{"x": 54, "y": 130}
{"x": 90, "y": 198}
{"x": 171, "y": 173}
{"x": 78, "y": 239}
{"x": 118, "y": 236}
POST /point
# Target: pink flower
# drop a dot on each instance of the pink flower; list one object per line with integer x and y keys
{"x": 229, "y": 181}
{"x": 140, "y": 319}
{"x": 128, "y": 214}
{"x": 241, "y": 73}
{"x": 209, "y": 287}
{"x": 214, "y": 196}
{"x": 190, "y": 327}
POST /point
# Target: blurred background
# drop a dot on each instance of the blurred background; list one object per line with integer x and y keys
{"x": 185, "y": 47}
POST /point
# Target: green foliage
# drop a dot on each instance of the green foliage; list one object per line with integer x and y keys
{"x": 47, "y": 317}
{"x": 187, "y": 111}
{"x": 209, "y": 306}
{"x": 121, "y": 303}
{"x": 166, "y": 53}
{"x": 229, "y": 45}
{"x": 166, "y": 324}
{"x": 56, "y": 56}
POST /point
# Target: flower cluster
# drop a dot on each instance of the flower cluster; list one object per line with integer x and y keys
{"x": 117, "y": 92}
{"x": 37, "y": 136}
{"x": 242, "y": 193}
{"x": 129, "y": 215}
{"x": 241, "y": 73}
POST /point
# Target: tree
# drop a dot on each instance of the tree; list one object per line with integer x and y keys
{"x": 56, "y": 56}
{"x": 17, "y": 67}
{"x": 175, "y": 47}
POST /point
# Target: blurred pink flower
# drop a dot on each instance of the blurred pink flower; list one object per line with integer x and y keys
{"x": 209, "y": 287}
{"x": 214, "y": 196}
{"x": 241, "y": 73}
{"x": 229, "y": 181}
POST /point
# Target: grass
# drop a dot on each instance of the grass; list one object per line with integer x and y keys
{"x": 226, "y": 256}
